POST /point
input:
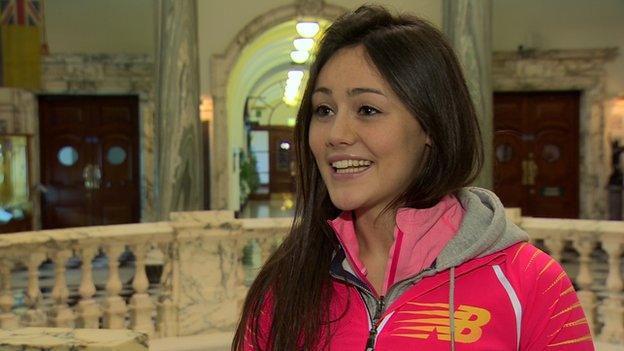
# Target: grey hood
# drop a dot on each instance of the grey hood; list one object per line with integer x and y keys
{"x": 484, "y": 229}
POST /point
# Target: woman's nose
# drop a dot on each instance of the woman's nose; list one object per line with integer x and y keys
{"x": 341, "y": 131}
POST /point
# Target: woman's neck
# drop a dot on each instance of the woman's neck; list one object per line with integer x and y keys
{"x": 375, "y": 232}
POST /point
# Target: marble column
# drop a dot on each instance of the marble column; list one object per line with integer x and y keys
{"x": 468, "y": 25}
{"x": 179, "y": 143}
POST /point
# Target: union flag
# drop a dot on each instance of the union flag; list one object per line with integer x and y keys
{"x": 21, "y": 12}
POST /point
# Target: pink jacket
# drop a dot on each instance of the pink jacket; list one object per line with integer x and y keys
{"x": 483, "y": 288}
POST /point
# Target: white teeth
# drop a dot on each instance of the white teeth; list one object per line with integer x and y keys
{"x": 350, "y": 163}
{"x": 351, "y": 170}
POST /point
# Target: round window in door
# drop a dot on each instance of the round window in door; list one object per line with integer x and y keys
{"x": 504, "y": 153}
{"x": 116, "y": 155}
{"x": 67, "y": 156}
{"x": 551, "y": 153}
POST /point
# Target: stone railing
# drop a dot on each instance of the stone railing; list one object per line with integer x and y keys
{"x": 210, "y": 258}
{"x": 591, "y": 252}
{"x": 31, "y": 249}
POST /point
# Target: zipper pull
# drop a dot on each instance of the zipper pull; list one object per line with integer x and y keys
{"x": 372, "y": 335}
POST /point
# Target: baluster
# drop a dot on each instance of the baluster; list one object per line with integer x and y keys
{"x": 612, "y": 309}
{"x": 166, "y": 322}
{"x": 255, "y": 253}
{"x": 584, "y": 279}
{"x": 8, "y": 319}
{"x": 89, "y": 312}
{"x": 241, "y": 245}
{"x": 141, "y": 305}
{"x": 60, "y": 314}
{"x": 114, "y": 306}
{"x": 35, "y": 316}
{"x": 555, "y": 247}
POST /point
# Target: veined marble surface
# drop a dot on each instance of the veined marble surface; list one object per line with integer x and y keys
{"x": 57, "y": 339}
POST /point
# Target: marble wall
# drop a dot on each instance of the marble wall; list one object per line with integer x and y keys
{"x": 581, "y": 70}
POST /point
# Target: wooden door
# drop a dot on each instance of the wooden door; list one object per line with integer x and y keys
{"x": 536, "y": 157}
{"x": 281, "y": 157}
{"x": 89, "y": 160}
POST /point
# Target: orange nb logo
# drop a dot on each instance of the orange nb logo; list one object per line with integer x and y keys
{"x": 433, "y": 319}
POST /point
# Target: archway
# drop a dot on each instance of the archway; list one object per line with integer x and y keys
{"x": 229, "y": 94}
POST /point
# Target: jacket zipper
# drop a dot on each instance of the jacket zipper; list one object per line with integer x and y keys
{"x": 372, "y": 334}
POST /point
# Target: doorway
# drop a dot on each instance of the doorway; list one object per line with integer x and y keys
{"x": 273, "y": 151}
{"x": 536, "y": 152}
{"x": 89, "y": 160}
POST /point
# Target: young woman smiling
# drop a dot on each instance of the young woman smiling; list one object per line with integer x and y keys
{"x": 389, "y": 250}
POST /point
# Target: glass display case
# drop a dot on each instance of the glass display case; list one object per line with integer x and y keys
{"x": 15, "y": 204}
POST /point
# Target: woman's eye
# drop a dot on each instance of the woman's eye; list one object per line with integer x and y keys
{"x": 323, "y": 111}
{"x": 368, "y": 111}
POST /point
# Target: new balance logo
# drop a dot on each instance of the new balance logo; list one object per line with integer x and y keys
{"x": 427, "y": 319}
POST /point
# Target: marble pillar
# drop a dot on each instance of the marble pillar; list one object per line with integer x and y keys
{"x": 468, "y": 25}
{"x": 179, "y": 143}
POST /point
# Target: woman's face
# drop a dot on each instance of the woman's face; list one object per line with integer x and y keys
{"x": 367, "y": 145}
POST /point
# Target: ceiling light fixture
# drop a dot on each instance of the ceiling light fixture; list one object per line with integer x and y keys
{"x": 299, "y": 56}
{"x": 303, "y": 44}
{"x": 307, "y": 29}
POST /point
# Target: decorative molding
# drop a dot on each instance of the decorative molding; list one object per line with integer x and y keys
{"x": 309, "y": 7}
{"x": 602, "y": 54}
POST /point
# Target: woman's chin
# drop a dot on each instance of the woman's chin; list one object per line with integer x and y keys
{"x": 346, "y": 204}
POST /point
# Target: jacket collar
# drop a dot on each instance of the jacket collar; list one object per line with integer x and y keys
{"x": 419, "y": 236}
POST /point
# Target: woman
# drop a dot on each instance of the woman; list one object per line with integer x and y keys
{"x": 389, "y": 250}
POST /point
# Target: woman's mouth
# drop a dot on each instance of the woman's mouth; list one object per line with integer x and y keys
{"x": 350, "y": 166}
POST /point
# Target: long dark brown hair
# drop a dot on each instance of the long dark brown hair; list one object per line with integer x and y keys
{"x": 422, "y": 69}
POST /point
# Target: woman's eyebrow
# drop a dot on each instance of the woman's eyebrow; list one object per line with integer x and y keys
{"x": 358, "y": 91}
{"x": 351, "y": 92}
{"x": 322, "y": 90}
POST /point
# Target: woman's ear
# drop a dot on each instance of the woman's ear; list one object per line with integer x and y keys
{"x": 428, "y": 141}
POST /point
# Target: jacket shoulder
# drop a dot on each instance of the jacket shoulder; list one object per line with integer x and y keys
{"x": 552, "y": 317}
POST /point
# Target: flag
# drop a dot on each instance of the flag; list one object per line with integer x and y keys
{"x": 20, "y": 43}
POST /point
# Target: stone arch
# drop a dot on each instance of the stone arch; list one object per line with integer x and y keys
{"x": 221, "y": 65}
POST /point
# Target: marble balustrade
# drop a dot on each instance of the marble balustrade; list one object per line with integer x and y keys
{"x": 30, "y": 249}
{"x": 591, "y": 252}
{"x": 210, "y": 258}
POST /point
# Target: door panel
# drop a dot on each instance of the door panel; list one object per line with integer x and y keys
{"x": 508, "y": 171}
{"x": 89, "y": 148}
{"x": 540, "y": 132}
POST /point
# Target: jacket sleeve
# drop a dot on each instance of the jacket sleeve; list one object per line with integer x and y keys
{"x": 553, "y": 318}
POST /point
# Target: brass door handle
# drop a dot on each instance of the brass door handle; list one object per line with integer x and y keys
{"x": 92, "y": 176}
{"x": 87, "y": 172}
{"x": 529, "y": 171}
{"x": 97, "y": 176}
